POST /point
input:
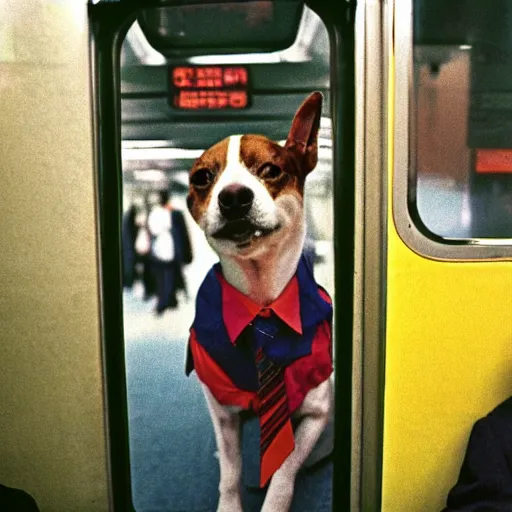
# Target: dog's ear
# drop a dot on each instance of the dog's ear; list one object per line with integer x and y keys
{"x": 302, "y": 138}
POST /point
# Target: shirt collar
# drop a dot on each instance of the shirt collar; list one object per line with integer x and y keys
{"x": 238, "y": 310}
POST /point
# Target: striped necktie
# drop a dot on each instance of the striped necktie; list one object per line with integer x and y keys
{"x": 276, "y": 433}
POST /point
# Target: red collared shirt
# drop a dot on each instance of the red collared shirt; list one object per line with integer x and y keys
{"x": 301, "y": 376}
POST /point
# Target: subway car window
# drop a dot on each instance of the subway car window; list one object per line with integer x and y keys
{"x": 461, "y": 119}
{"x": 188, "y": 83}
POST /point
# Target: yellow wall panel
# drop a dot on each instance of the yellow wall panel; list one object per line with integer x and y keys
{"x": 448, "y": 362}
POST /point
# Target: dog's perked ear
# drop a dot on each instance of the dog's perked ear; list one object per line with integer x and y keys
{"x": 303, "y": 136}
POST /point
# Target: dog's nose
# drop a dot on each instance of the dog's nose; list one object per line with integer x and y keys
{"x": 235, "y": 201}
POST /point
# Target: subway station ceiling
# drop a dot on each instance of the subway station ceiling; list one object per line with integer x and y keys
{"x": 159, "y": 137}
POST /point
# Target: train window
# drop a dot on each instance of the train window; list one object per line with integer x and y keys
{"x": 172, "y": 109}
{"x": 459, "y": 122}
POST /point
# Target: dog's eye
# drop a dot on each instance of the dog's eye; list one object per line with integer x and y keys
{"x": 270, "y": 172}
{"x": 201, "y": 178}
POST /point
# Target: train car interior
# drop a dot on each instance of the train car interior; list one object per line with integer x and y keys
{"x": 106, "y": 107}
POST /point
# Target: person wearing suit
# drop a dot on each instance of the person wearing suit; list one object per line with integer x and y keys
{"x": 170, "y": 251}
{"x": 485, "y": 479}
{"x": 129, "y": 235}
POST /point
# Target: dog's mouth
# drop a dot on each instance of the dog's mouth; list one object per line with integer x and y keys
{"x": 243, "y": 232}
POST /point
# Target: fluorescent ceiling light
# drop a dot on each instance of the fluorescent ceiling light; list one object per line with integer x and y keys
{"x": 241, "y": 58}
{"x": 325, "y": 122}
{"x": 160, "y": 154}
{"x": 137, "y": 144}
{"x": 325, "y": 153}
{"x": 150, "y": 175}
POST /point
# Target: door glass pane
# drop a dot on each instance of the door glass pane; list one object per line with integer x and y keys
{"x": 174, "y": 457}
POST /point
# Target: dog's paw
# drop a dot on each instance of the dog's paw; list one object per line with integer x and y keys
{"x": 230, "y": 502}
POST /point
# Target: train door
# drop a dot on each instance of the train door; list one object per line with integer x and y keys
{"x": 171, "y": 80}
{"x": 446, "y": 325}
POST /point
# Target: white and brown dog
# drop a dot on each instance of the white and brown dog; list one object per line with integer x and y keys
{"x": 246, "y": 193}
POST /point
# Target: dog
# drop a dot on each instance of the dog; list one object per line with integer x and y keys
{"x": 246, "y": 193}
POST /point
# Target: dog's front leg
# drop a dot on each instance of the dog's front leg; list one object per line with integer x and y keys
{"x": 314, "y": 414}
{"x": 226, "y": 425}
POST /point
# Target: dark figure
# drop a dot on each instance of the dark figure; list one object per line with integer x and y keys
{"x": 183, "y": 248}
{"x": 485, "y": 480}
{"x": 144, "y": 259}
{"x": 16, "y": 500}
{"x": 171, "y": 250}
{"x": 148, "y": 276}
{"x": 129, "y": 235}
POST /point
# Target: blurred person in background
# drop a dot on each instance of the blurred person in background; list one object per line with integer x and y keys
{"x": 143, "y": 250}
{"x": 129, "y": 235}
{"x": 170, "y": 251}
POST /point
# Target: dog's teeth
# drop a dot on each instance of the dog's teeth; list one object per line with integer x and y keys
{"x": 257, "y": 233}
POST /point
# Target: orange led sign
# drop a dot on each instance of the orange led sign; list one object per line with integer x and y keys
{"x": 493, "y": 161}
{"x": 209, "y": 87}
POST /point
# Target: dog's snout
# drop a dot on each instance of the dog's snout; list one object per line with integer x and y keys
{"x": 235, "y": 201}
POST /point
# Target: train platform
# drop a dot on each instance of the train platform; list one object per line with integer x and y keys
{"x": 174, "y": 464}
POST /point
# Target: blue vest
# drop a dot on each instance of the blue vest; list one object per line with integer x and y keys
{"x": 279, "y": 341}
